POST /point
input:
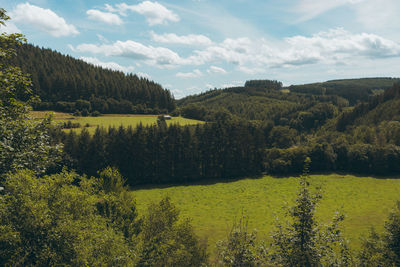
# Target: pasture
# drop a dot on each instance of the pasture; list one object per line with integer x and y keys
{"x": 213, "y": 208}
{"x": 107, "y": 120}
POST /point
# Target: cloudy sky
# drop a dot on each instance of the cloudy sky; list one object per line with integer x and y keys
{"x": 189, "y": 46}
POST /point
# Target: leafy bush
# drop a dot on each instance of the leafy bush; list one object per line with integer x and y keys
{"x": 56, "y": 220}
{"x": 164, "y": 241}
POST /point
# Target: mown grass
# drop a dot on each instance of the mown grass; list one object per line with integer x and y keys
{"x": 116, "y": 120}
{"x": 213, "y": 208}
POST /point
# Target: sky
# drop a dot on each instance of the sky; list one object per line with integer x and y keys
{"x": 190, "y": 46}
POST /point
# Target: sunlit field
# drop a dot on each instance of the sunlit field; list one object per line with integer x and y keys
{"x": 213, "y": 208}
{"x": 116, "y": 120}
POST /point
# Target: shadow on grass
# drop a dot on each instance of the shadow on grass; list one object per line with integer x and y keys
{"x": 254, "y": 177}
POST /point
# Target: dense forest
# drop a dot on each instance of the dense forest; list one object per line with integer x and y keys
{"x": 67, "y": 84}
{"x": 361, "y": 139}
{"x": 354, "y": 90}
{"x": 337, "y": 132}
{"x": 161, "y": 154}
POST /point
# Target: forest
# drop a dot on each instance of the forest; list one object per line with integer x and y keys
{"x": 65, "y": 197}
{"x": 66, "y": 84}
{"x": 359, "y": 139}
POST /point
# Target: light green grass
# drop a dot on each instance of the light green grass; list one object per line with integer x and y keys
{"x": 115, "y": 120}
{"x": 213, "y": 208}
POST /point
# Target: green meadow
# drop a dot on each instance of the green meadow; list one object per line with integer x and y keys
{"x": 213, "y": 208}
{"x": 116, "y": 120}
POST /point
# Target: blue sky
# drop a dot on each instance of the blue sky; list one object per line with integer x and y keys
{"x": 189, "y": 46}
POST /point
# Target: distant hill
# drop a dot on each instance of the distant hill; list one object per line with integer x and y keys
{"x": 384, "y": 107}
{"x": 68, "y": 84}
{"x": 265, "y": 104}
{"x": 354, "y": 90}
{"x": 264, "y": 100}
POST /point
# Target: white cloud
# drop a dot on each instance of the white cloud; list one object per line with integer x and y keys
{"x": 110, "y": 8}
{"x": 9, "y": 28}
{"x": 235, "y": 51}
{"x": 172, "y": 38}
{"x": 156, "y": 56}
{"x": 339, "y": 43}
{"x": 251, "y": 70}
{"x": 107, "y": 65}
{"x": 178, "y": 93}
{"x": 43, "y": 19}
{"x": 106, "y": 17}
{"x": 336, "y": 46}
{"x": 379, "y": 15}
{"x": 154, "y": 12}
{"x": 233, "y": 84}
{"x": 143, "y": 75}
{"x": 194, "y": 74}
{"x": 215, "y": 69}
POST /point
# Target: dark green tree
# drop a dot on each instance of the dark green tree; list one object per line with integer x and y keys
{"x": 303, "y": 242}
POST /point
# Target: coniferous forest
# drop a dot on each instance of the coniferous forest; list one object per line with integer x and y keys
{"x": 67, "y": 84}
{"x": 65, "y": 198}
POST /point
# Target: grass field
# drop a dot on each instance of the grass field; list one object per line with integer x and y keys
{"x": 110, "y": 120}
{"x": 213, "y": 208}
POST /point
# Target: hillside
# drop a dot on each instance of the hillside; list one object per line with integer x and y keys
{"x": 263, "y": 104}
{"x": 354, "y": 90}
{"x": 362, "y": 139}
{"x": 67, "y": 84}
{"x": 332, "y": 129}
{"x": 379, "y": 108}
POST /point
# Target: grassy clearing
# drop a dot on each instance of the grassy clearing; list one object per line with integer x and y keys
{"x": 213, "y": 208}
{"x": 111, "y": 120}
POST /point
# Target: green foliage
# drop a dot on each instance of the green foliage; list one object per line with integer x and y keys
{"x": 266, "y": 84}
{"x": 384, "y": 249}
{"x": 53, "y": 220}
{"x": 111, "y": 180}
{"x": 282, "y": 137}
{"x": 24, "y": 143}
{"x": 250, "y": 103}
{"x": 166, "y": 241}
{"x": 241, "y": 248}
{"x": 302, "y": 242}
{"x": 168, "y": 154}
{"x": 354, "y": 90}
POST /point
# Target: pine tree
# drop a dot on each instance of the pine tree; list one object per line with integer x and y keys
{"x": 305, "y": 243}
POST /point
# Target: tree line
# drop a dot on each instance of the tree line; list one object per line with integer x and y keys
{"x": 168, "y": 154}
{"x": 353, "y": 90}
{"x": 266, "y": 84}
{"x": 66, "y": 84}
